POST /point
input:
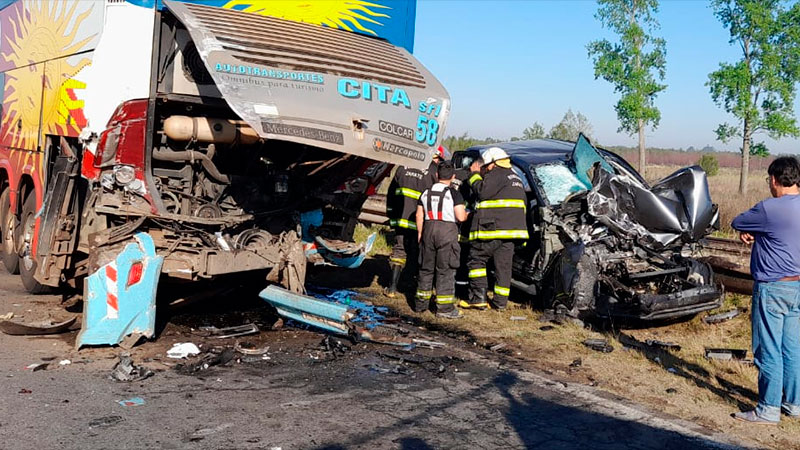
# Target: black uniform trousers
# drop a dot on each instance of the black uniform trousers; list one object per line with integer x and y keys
{"x": 405, "y": 251}
{"x": 440, "y": 256}
{"x": 502, "y": 253}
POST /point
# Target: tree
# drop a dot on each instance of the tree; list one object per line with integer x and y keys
{"x": 570, "y": 126}
{"x": 535, "y": 131}
{"x": 632, "y": 64}
{"x": 457, "y": 143}
{"x": 709, "y": 163}
{"x": 759, "y": 89}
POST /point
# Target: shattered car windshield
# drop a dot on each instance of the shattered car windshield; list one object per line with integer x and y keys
{"x": 558, "y": 182}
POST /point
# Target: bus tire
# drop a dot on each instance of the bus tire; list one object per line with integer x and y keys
{"x": 8, "y": 222}
{"x": 27, "y": 261}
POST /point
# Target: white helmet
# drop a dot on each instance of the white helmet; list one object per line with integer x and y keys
{"x": 493, "y": 154}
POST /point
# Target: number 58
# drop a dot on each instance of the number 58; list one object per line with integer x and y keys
{"x": 427, "y": 130}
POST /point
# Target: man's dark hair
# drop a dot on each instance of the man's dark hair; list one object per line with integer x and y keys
{"x": 445, "y": 171}
{"x": 786, "y": 170}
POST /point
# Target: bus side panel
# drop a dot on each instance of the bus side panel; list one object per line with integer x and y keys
{"x": 43, "y": 45}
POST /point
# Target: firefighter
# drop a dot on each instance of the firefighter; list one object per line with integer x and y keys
{"x": 439, "y": 210}
{"x": 401, "y": 208}
{"x": 498, "y": 222}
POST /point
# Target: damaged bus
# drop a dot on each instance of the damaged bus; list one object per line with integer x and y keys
{"x": 192, "y": 139}
{"x": 603, "y": 242}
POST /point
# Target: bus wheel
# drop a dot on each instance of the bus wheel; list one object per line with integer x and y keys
{"x": 8, "y": 223}
{"x": 27, "y": 260}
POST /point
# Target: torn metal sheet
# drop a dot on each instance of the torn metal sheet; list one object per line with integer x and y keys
{"x": 120, "y": 297}
{"x": 321, "y": 101}
{"x": 21, "y": 329}
{"x": 676, "y": 210}
{"x": 350, "y": 255}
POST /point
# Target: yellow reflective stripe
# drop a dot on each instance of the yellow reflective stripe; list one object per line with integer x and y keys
{"x": 424, "y": 294}
{"x": 475, "y": 177}
{"x": 445, "y": 299}
{"x": 499, "y": 290}
{"x": 498, "y": 234}
{"x": 403, "y": 223}
{"x": 512, "y": 203}
{"x": 477, "y": 273}
{"x": 398, "y": 260}
{"x": 408, "y": 193}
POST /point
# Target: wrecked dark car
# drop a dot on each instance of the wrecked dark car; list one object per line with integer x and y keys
{"x": 603, "y": 242}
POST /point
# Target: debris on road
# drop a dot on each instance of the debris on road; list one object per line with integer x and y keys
{"x": 183, "y": 350}
{"x": 203, "y": 432}
{"x": 248, "y": 349}
{"x": 518, "y": 318}
{"x": 661, "y": 345}
{"x": 209, "y": 359}
{"x": 229, "y": 332}
{"x": 577, "y": 362}
{"x": 35, "y": 329}
{"x": 721, "y": 317}
{"x": 25, "y": 391}
{"x": 126, "y": 371}
{"x": 547, "y": 328}
{"x": 135, "y": 401}
{"x": 497, "y": 347}
{"x": 106, "y": 421}
{"x": 7, "y": 316}
{"x": 64, "y": 362}
{"x": 599, "y": 345}
{"x": 308, "y": 310}
{"x": 338, "y": 312}
{"x": 36, "y": 367}
{"x": 672, "y": 391}
{"x": 429, "y": 344}
{"x": 725, "y": 354}
{"x": 397, "y": 369}
{"x": 334, "y": 346}
{"x": 120, "y": 296}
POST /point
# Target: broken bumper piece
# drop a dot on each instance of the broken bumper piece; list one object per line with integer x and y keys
{"x": 120, "y": 297}
{"x": 669, "y": 306}
{"x": 349, "y": 317}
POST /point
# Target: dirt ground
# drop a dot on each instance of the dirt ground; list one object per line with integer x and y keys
{"x": 305, "y": 391}
{"x": 679, "y": 382}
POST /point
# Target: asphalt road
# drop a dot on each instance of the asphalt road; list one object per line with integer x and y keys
{"x": 302, "y": 397}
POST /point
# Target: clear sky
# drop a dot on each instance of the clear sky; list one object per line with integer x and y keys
{"x": 508, "y": 64}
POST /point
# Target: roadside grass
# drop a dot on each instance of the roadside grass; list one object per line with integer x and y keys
{"x": 383, "y": 242}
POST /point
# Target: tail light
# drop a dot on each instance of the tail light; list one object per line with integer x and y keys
{"x": 135, "y": 274}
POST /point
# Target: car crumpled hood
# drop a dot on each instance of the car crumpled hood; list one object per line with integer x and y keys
{"x": 676, "y": 210}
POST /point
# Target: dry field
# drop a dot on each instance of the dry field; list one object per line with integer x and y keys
{"x": 681, "y": 383}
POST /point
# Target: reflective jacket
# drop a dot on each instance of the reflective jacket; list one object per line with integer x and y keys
{"x": 500, "y": 206}
{"x": 404, "y": 192}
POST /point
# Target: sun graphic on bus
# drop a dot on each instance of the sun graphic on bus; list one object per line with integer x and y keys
{"x": 344, "y": 14}
{"x": 43, "y": 31}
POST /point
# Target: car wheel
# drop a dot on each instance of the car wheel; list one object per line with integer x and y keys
{"x": 8, "y": 222}
{"x": 27, "y": 260}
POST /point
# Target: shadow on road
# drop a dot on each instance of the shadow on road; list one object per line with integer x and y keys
{"x": 543, "y": 420}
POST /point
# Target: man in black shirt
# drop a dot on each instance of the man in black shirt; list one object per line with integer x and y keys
{"x": 439, "y": 210}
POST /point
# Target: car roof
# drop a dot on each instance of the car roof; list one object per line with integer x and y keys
{"x": 533, "y": 152}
